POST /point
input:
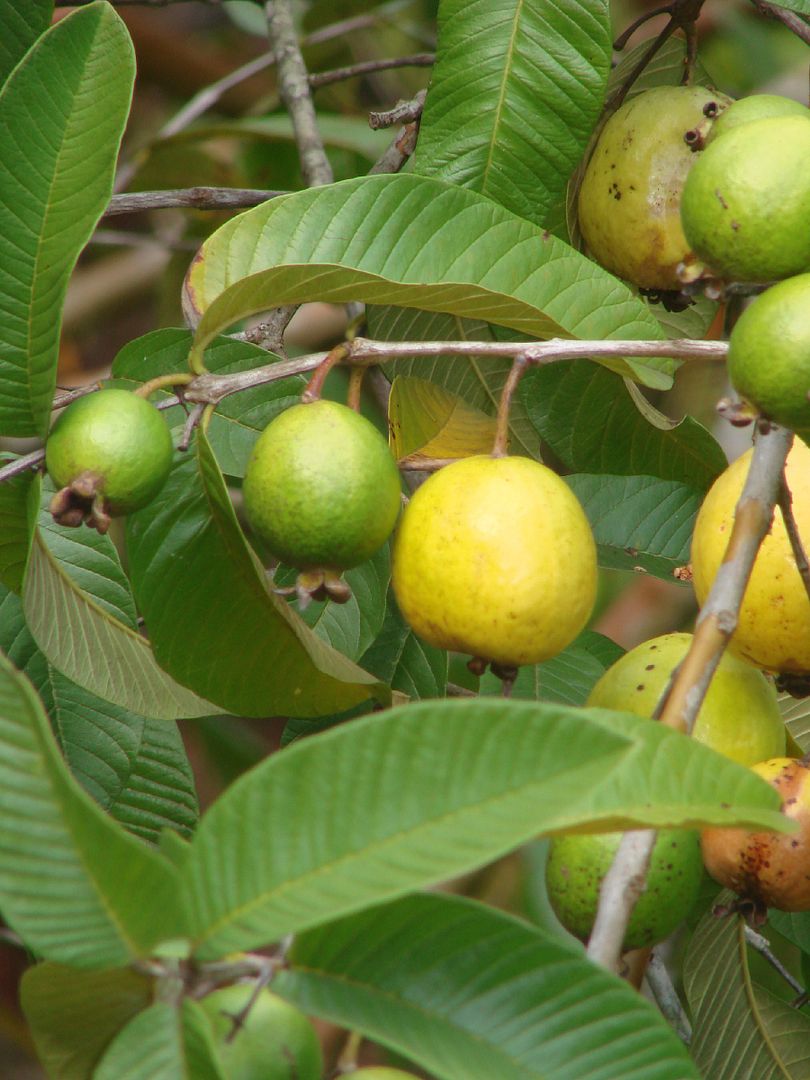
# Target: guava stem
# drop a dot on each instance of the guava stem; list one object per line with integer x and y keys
{"x": 500, "y": 447}
{"x": 314, "y": 388}
{"x": 355, "y": 388}
{"x": 161, "y": 381}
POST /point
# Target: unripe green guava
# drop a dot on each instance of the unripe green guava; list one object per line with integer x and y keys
{"x": 755, "y": 107}
{"x": 629, "y": 202}
{"x": 739, "y": 716}
{"x": 109, "y": 453}
{"x": 276, "y": 1042}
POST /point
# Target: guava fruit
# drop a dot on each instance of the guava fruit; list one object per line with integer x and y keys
{"x": 746, "y": 203}
{"x": 773, "y": 627}
{"x": 276, "y": 1041}
{"x": 495, "y": 557}
{"x": 769, "y": 353}
{"x": 739, "y": 716}
{"x": 578, "y": 863}
{"x": 768, "y": 869}
{"x": 322, "y": 491}
{"x": 629, "y": 201}
{"x": 108, "y": 453}
{"x": 755, "y": 107}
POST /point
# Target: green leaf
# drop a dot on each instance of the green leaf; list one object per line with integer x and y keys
{"x": 796, "y": 714}
{"x": 73, "y": 884}
{"x": 413, "y": 795}
{"x": 639, "y": 522}
{"x": 240, "y": 418}
{"x": 401, "y": 659}
{"x": 413, "y": 242}
{"x": 567, "y": 678}
{"x": 74, "y": 1014}
{"x": 426, "y": 421}
{"x": 794, "y": 925}
{"x": 62, "y": 114}
{"x": 93, "y": 648}
{"x": 19, "y": 498}
{"x": 740, "y": 1030}
{"x": 135, "y": 769}
{"x": 213, "y": 620}
{"x": 163, "y": 1043}
{"x": 21, "y": 28}
{"x": 516, "y": 90}
{"x": 592, "y": 424}
{"x": 470, "y": 993}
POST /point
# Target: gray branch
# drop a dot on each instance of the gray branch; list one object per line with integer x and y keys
{"x": 197, "y": 198}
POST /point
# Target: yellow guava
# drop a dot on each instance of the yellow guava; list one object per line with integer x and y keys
{"x": 773, "y": 630}
{"x": 495, "y": 557}
{"x": 739, "y": 716}
{"x": 629, "y": 202}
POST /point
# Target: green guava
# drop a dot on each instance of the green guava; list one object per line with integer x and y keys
{"x": 746, "y": 203}
{"x": 276, "y": 1041}
{"x": 108, "y": 453}
{"x": 755, "y": 107}
{"x": 322, "y": 491}
{"x": 578, "y": 863}
{"x": 629, "y": 202}
{"x": 769, "y": 353}
{"x": 739, "y": 716}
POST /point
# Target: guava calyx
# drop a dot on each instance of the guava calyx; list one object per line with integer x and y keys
{"x": 82, "y": 501}
{"x": 320, "y": 584}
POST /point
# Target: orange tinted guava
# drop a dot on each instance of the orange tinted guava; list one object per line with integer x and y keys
{"x": 109, "y": 453}
{"x": 768, "y": 868}
{"x": 746, "y": 201}
{"x": 578, "y": 863}
{"x": 321, "y": 487}
{"x": 629, "y": 201}
{"x": 739, "y": 716}
{"x": 276, "y": 1042}
{"x": 773, "y": 629}
{"x": 769, "y": 353}
{"x": 494, "y": 557}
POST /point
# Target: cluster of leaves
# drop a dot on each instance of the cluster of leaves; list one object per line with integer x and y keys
{"x": 103, "y": 861}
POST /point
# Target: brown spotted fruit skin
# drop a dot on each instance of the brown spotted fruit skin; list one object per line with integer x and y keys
{"x": 769, "y": 869}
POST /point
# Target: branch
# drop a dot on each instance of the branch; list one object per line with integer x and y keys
{"x": 403, "y": 112}
{"x": 367, "y": 67}
{"x": 715, "y": 625}
{"x": 761, "y": 945}
{"x": 792, "y": 529}
{"x": 666, "y": 997}
{"x": 22, "y": 464}
{"x": 198, "y": 198}
{"x": 793, "y": 22}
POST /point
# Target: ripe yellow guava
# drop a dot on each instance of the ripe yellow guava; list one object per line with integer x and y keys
{"x": 494, "y": 557}
{"x": 629, "y": 202}
{"x": 766, "y": 868}
{"x": 578, "y": 863}
{"x": 769, "y": 353}
{"x": 746, "y": 202}
{"x": 739, "y": 716}
{"x": 773, "y": 630}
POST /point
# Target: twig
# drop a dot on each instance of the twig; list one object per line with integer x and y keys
{"x": 501, "y": 445}
{"x": 398, "y": 150}
{"x": 66, "y": 396}
{"x": 792, "y": 529}
{"x": 404, "y": 112}
{"x": 716, "y": 623}
{"x": 666, "y": 997}
{"x": 761, "y": 945}
{"x": 198, "y": 198}
{"x": 793, "y": 22}
{"x": 367, "y": 67}
{"x": 22, "y": 464}
{"x": 293, "y": 83}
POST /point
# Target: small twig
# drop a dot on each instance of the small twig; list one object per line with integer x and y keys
{"x": 197, "y": 198}
{"x": 22, "y": 464}
{"x": 785, "y": 503}
{"x": 368, "y": 67}
{"x": 354, "y": 394}
{"x": 192, "y": 420}
{"x": 454, "y": 690}
{"x": 666, "y": 997}
{"x": 64, "y": 398}
{"x": 314, "y": 388}
{"x": 417, "y": 463}
{"x": 398, "y": 150}
{"x": 162, "y": 382}
{"x": 501, "y": 445}
{"x": 269, "y": 333}
{"x": 404, "y": 112}
{"x": 792, "y": 21}
{"x": 761, "y": 945}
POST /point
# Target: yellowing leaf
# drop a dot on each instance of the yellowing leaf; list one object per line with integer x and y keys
{"x": 426, "y": 421}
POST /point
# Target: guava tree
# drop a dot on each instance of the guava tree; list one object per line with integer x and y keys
{"x": 335, "y": 876}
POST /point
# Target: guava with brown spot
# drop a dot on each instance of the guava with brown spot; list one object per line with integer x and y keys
{"x": 629, "y": 201}
{"x": 578, "y": 863}
{"x": 768, "y": 869}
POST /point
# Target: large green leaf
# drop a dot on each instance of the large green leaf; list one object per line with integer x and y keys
{"x": 470, "y": 993}
{"x": 21, "y": 28}
{"x": 136, "y": 769}
{"x": 740, "y": 1030}
{"x": 214, "y": 621}
{"x": 74, "y": 1014}
{"x": 516, "y": 90}
{"x": 413, "y": 242}
{"x": 162, "y": 1043}
{"x": 590, "y": 421}
{"x": 639, "y": 522}
{"x": 62, "y": 114}
{"x": 19, "y": 498}
{"x": 420, "y": 793}
{"x": 73, "y": 884}
{"x": 566, "y": 678}
{"x": 239, "y": 418}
